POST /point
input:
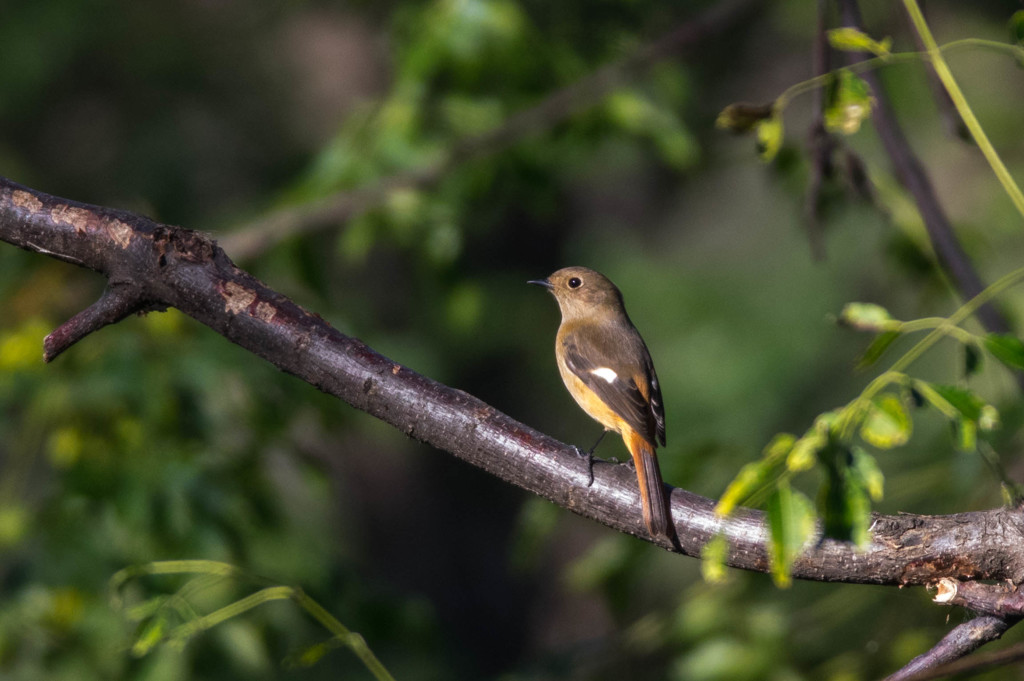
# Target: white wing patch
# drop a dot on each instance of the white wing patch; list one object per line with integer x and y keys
{"x": 605, "y": 373}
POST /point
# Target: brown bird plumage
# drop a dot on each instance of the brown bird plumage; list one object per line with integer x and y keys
{"x": 606, "y": 367}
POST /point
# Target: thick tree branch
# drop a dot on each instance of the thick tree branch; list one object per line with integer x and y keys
{"x": 256, "y": 237}
{"x": 999, "y": 600}
{"x": 170, "y": 266}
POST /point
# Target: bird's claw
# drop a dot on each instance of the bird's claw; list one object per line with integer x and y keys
{"x": 589, "y": 456}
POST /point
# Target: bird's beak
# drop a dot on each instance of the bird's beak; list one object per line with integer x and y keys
{"x": 542, "y": 282}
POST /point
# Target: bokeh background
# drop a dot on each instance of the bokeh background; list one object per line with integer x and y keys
{"x": 156, "y": 439}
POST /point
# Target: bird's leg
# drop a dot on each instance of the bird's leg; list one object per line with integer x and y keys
{"x": 589, "y": 456}
{"x": 600, "y": 437}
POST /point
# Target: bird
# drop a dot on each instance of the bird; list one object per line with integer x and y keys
{"x": 608, "y": 370}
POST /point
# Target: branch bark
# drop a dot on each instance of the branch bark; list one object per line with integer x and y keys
{"x": 998, "y": 600}
{"x": 151, "y": 265}
{"x": 944, "y": 658}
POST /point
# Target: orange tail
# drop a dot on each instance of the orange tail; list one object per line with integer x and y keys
{"x": 652, "y": 489}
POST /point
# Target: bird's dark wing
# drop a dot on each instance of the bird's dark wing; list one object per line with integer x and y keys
{"x": 654, "y": 401}
{"x": 615, "y": 364}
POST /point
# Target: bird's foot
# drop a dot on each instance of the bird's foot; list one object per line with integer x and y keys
{"x": 589, "y": 456}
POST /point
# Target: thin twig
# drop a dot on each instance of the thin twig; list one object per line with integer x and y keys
{"x": 945, "y": 657}
{"x": 974, "y": 664}
{"x": 821, "y": 144}
{"x": 951, "y": 119}
{"x": 116, "y": 303}
{"x": 966, "y": 113}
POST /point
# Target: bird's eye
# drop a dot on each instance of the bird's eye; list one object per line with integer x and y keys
{"x": 575, "y": 282}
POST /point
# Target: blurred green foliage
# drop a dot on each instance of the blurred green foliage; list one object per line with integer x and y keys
{"x": 879, "y": 416}
{"x": 157, "y": 440}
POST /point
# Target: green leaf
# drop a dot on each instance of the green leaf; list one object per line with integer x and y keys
{"x": 152, "y": 633}
{"x": 972, "y": 359}
{"x": 964, "y": 401}
{"x": 756, "y": 475}
{"x": 989, "y": 418}
{"x": 868, "y": 473}
{"x": 763, "y": 119}
{"x": 742, "y": 118}
{"x": 1007, "y": 348}
{"x": 964, "y": 409}
{"x": 804, "y": 452}
{"x": 751, "y": 477}
{"x": 791, "y": 523}
{"x": 965, "y": 433}
{"x": 779, "y": 447}
{"x": 851, "y": 40}
{"x": 926, "y": 392}
{"x": 770, "y": 134}
{"x": 868, "y": 317}
{"x": 849, "y": 103}
{"x": 877, "y": 348}
{"x": 887, "y": 423}
{"x": 846, "y": 506}
{"x": 713, "y": 555}
{"x": 1016, "y": 25}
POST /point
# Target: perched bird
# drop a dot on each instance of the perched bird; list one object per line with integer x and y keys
{"x": 608, "y": 371}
